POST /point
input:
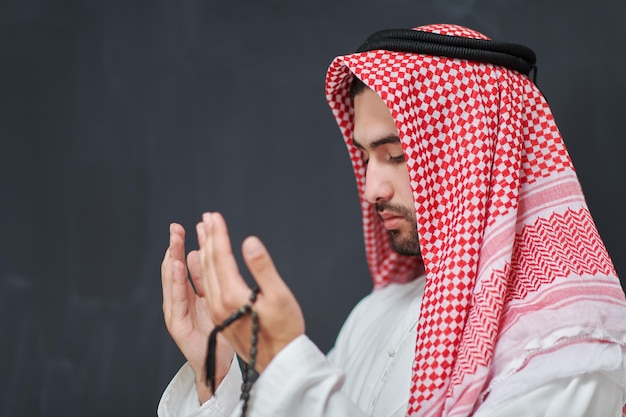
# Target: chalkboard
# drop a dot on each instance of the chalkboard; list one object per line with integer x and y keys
{"x": 118, "y": 117}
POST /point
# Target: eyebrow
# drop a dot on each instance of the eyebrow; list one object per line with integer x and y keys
{"x": 377, "y": 143}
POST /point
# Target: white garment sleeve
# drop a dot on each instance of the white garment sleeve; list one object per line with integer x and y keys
{"x": 180, "y": 398}
{"x": 300, "y": 381}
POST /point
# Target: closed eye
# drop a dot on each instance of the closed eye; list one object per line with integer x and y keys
{"x": 397, "y": 159}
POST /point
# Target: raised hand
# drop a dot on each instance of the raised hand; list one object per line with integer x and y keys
{"x": 280, "y": 317}
{"x": 186, "y": 313}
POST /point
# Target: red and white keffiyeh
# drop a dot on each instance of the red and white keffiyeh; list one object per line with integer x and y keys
{"x": 514, "y": 264}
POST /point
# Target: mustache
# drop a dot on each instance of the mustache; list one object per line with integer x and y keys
{"x": 393, "y": 208}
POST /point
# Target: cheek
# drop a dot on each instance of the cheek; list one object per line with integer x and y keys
{"x": 403, "y": 186}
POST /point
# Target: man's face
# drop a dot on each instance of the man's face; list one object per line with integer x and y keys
{"x": 387, "y": 183}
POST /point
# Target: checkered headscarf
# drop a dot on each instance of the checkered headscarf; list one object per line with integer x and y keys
{"x": 511, "y": 253}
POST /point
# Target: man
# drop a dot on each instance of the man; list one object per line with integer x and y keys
{"x": 493, "y": 293}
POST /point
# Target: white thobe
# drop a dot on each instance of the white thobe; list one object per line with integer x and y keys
{"x": 368, "y": 373}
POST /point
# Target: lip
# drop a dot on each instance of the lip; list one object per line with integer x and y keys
{"x": 391, "y": 221}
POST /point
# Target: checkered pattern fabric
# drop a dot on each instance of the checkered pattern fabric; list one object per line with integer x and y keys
{"x": 501, "y": 218}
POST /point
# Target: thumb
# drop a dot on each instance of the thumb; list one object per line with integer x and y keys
{"x": 261, "y": 266}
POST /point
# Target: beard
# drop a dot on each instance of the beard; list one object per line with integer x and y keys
{"x": 404, "y": 243}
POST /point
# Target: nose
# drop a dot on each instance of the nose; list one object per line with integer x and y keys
{"x": 378, "y": 187}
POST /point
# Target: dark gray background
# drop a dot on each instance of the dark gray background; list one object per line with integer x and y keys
{"x": 118, "y": 117}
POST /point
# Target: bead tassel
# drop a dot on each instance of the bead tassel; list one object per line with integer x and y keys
{"x": 248, "y": 372}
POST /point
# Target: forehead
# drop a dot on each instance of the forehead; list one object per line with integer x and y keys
{"x": 372, "y": 119}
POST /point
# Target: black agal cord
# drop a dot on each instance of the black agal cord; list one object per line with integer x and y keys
{"x": 510, "y": 55}
{"x": 248, "y": 374}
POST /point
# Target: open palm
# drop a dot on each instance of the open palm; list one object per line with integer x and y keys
{"x": 186, "y": 312}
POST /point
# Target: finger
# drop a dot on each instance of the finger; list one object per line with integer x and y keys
{"x": 261, "y": 266}
{"x": 209, "y": 282}
{"x": 177, "y": 242}
{"x": 180, "y": 292}
{"x": 166, "y": 259}
{"x": 193, "y": 264}
{"x": 168, "y": 252}
{"x": 166, "y": 285}
{"x": 235, "y": 291}
{"x": 176, "y": 250}
{"x": 166, "y": 277}
{"x": 201, "y": 234}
